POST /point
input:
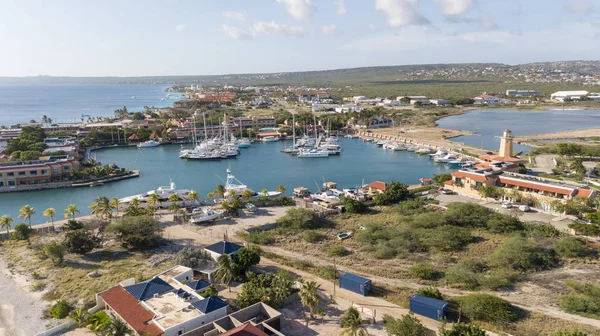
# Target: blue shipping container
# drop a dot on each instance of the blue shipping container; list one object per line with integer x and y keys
{"x": 428, "y": 307}
{"x": 355, "y": 283}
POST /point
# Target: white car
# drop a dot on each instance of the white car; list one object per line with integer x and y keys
{"x": 524, "y": 208}
{"x": 447, "y": 192}
{"x": 507, "y": 205}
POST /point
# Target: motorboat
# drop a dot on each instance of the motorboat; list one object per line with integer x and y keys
{"x": 413, "y": 148}
{"x": 394, "y": 147}
{"x": 425, "y": 150}
{"x": 163, "y": 193}
{"x": 202, "y": 215}
{"x": 446, "y": 158}
{"x": 344, "y": 235}
{"x": 380, "y": 143}
{"x": 236, "y": 185}
{"x": 313, "y": 153}
{"x": 251, "y": 207}
{"x": 270, "y": 139}
{"x": 148, "y": 144}
{"x": 244, "y": 143}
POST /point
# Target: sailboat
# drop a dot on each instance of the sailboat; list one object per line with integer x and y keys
{"x": 243, "y": 142}
{"x": 314, "y": 152}
{"x": 292, "y": 150}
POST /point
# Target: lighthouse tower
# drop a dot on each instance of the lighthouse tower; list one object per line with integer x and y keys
{"x": 506, "y": 144}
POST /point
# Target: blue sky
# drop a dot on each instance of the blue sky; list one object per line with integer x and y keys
{"x": 196, "y": 37}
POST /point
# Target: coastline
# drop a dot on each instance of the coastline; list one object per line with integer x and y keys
{"x": 580, "y": 133}
{"x": 21, "y": 311}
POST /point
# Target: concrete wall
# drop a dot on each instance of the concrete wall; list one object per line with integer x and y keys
{"x": 196, "y": 322}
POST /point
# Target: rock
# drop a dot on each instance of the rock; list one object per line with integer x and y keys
{"x": 93, "y": 274}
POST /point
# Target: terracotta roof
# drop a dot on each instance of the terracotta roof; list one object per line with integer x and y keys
{"x": 541, "y": 186}
{"x": 130, "y": 310}
{"x": 499, "y": 158}
{"x": 264, "y": 134}
{"x": 377, "y": 185}
{"x": 450, "y": 182}
{"x": 585, "y": 193}
{"x": 245, "y": 330}
{"x": 472, "y": 176}
{"x": 426, "y": 178}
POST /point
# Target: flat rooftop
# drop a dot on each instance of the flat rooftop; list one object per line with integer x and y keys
{"x": 171, "y": 310}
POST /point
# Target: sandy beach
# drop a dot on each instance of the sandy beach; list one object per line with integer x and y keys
{"x": 21, "y": 311}
{"x": 582, "y": 133}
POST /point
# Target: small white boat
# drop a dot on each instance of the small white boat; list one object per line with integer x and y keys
{"x": 251, "y": 207}
{"x": 201, "y": 215}
{"x": 380, "y": 143}
{"x": 446, "y": 158}
{"x": 313, "y": 153}
{"x": 270, "y": 139}
{"x": 344, "y": 235}
{"x": 425, "y": 150}
{"x": 148, "y": 144}
{"x": 243, "y": 143}
{"x": 412, "y": 148}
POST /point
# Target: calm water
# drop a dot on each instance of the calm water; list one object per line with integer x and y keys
{"x": 261, "y": 166}
{"x": 490, "y": 124}
{"x": 65, "y": 103}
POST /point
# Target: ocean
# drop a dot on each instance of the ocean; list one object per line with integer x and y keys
{"x": 66, "y": 103}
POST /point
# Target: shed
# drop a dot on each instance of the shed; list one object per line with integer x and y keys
{"x": 355, "y": 283}
{"x": 428, "y": 307}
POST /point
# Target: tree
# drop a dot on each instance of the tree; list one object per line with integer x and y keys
{"x": 520, "y": 254}
{"x": 138, "y": 116}
{"x": 6, "y": 222}
{"x": 353, "y": 206}
{"x": 488, "y": 191}
{"x": 247, "y": 257}
{"x": 578, "y": 167}
{"x": 50, "y": 212}
{"x": 79, "y": 316}
{"x": 116, "y": 327}
{"x": 22, "y": 232}
{"x": 226, "y": 272}
{"x": 192, "y": 257}
{"x": 247, "y": 194}
{"x": 264, "y": 192}
{"x": 211, "y": 290}
{"x": 55, "y": 251}
{"x": 174, "y": 208}
{"x": 97, "y": 321}
{"x": 72, "y": 225}
{"x": 300, "y": 219}
{"x": 114, "y": 204}
{"x": 193, "y": 195}
{"x": 309, "y": 296}
{"x": 219, "y": 191}
{"x": 407, "y": 325}
{"x": 26, "y": 212}
{"x": 487, "y": 308}
{"x": 394, "y": 193}
{"x": 461, "y": 329}
{"x": 405, "y": 100}
{"x": 352, "y": 323}
{"x": 136, "y": 232}
{"x": 270, "y": 288}
{"x": 153, "y": 200}
{"x": 280, "y": 188}
{"x": 80, "y": 241}
{"x": 210, "y": 196}
{"x": 441, "y": 178}
{"x": 102, "y": 208}
{"x": 71, "y": 210}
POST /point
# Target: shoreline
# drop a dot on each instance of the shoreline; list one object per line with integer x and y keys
{"x": 578, "y": 133}
{"x": 21, "y": 311}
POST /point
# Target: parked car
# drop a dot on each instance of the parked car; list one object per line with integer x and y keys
{"x": 507, "y": 205}
{"x": 447, "y": 192}
{"x": 524, "y": 208}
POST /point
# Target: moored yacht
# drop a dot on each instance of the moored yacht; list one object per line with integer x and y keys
{"x": 148, "y": 144}
{"x": 313, "y": 153}
{"x": 163, "y": 193}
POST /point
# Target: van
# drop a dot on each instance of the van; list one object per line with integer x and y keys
{"x": 524, "y": 208}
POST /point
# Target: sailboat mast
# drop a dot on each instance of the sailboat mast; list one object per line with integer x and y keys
{"x": 293, "y": 131}
{"x": 204, "y": 117}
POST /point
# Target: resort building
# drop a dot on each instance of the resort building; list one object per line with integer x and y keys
{"x": 486, "y": 99}
{"x": 374, "y": 188}
{"x": 169, "y": 304}
{"x": 27, "y": 175}
{"x": 522, "y": 93}
{"x": 254, "y": 122}
{"x": 562, "y": 96}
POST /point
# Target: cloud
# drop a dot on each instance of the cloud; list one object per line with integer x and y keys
{"x": 400, "y": 12}
{"x": 180, "y": 27}
{"x": 235, "y": 33}
{"x": 239, "y": 16}
{"x": 487, "y": 22}
{"x": 328, "y": 29}
{"x": 578, "y": 6}
{"x": 372, "y": 27}
{"x": 340, "y": 7}
{"x": 271, "y": 27}
{"x": 454, "y": 7}
{"x": 300, "y": 10}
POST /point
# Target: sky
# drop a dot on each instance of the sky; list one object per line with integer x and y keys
{"x": 207, "y": 37}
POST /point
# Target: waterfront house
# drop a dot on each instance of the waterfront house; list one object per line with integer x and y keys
{"x": 376, "y": 187}
{"x": 169, "y": 305}
{"x": 36, "y": 174}
{"x": 562, "y": 96}
{"x": 522, "y": 93}
{"x": 223, "y": 247}
{"x": 440, "y": 102}
{"x": 486, "y": 99}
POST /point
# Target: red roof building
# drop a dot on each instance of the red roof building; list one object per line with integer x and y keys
{"x": 376, "y": 187}
{"x": 119, "y": 301}
{"x": 245, "y": 330}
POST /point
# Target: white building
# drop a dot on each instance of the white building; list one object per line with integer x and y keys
{"x": 562, "y": 96}
{"x": 345, "y": 108}
{"x": 486, "y": 99}
{"x": 440, "y": 102}
{"x": 317, "y": 107}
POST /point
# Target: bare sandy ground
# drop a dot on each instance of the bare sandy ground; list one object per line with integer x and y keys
{"x": 582, "y": 133}
{"x": 21, "y": 311}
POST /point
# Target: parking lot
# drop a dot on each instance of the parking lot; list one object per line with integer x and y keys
{"x": 530, "y": 216}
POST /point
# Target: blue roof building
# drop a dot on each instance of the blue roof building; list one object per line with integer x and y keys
{"x": 198, "y": 285}
{"x": 223, "y": 247}
{"x": 209, "y": 304}
{"x": 147, "y": 289}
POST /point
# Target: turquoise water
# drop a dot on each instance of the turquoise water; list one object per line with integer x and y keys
{"x": 490, "y": 124}
{"x": 65, "y": 103}
{"x": 260, "y": 166}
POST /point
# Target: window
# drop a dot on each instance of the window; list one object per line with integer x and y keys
{"x": 1, "y": 183}
{"x": 21, "y": 174}
{"x": 55, "y": 170}
{"x": 44, "y": 171}
{"x": 11, "y": 183}
{"x": 10, "y": 174}
{"x": 33, "y": 173}
{"x": 66, "y": 168}
{"x": 180, "y": 332}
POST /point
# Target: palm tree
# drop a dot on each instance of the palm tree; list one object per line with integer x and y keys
{"x": 193, "y": 195}
{"x": 219, "y": 190}
{"x": 173, "y": 207}
{"x": 114, "y": 205}
{"x": 173, "y": 198}
{"x": 210, "y": 196}
{"x": 231, "y": 193}
{"x": 153, "y": 200}
{"x": 101, "y": 207}
{"x": 50, "y": 212}
{"x": 247, "y": 194}
{"x": 26, "y": 212}
{"x": 150, "y": 211}
{"x": 225, "y": 273}
{"x": 79, "y": 316}
{"x": 352, "y": 323}
{"x": 309, "y": 296}
{"x": 71, "y": 210}
{"x": 264, "y": 192}
{"x": 116, "y": 327}
{"x": 280, "y": 189}
{"x": 135, "y": 202}
{"x": 6, "y": 222}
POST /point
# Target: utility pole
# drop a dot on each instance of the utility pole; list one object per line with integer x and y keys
{"x": 334, "y": 276}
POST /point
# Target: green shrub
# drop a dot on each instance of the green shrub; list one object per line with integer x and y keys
{"x": 463, "y": 277}
{"x": 467, "y": 214}
{"x": 337, "y": 250}
{"x": 55, "y": 251}
{"x": 312, "y": 236}
{"x": 447, "y": 238}
{"x": 259, "y": 237}
{"x": 192, "y": 257}
{"x": 374, "y": 233}
{"x": 136, "y": 232}
{"x": 326, "y": 272}
{"x": 38, "y": 286}
{"x": 423, "y": 272}
{"x": 431, "y": 292}
{"x": 98, "y": 320}
{"x": 412, "y": 207}
{"x": 462, "y": 329}
{"x": 500, "y": 279}
{"x": 80, "y": 241}
{"x": 407, "y": 325}
{"x": 585, "y": 299}
{"x": 72, "y": 225}
{"x": 394, "y": 193}
{"x": 22, "y": 232}
{"x": 210, "y": 291}
{"x": 428, "y": 220}
{"x": 592, "y": 230}
{"x": 60, "y": 309}
{"x": 521, "y": 254}
{"x": 542, "y": 230}
{"x": 300, "y": 219}
{"x": 488, "y": 308}
{"x": 353, "y": 206}
{"x": 384, "y": 251}
{"x": 569, "y": 333}
{"x": 499, "y": 223}
{"x": 571, "y": 247}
